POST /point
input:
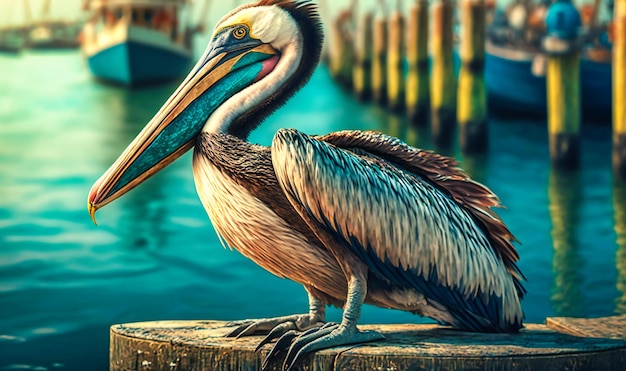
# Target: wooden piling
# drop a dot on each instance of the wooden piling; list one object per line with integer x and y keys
{"x": 561, "y": 45}
{"x": 619, "y": 89}
{"x": 417, "y": 82}
{"x": 442, "y": 81}
{"x": 472, "y": 93}
{"x": 379, "y": 63}
{"x": 395, "y": 62}
{"x": 563, "y": 88}
{"x": 561, "y": 344}
{"x": 363, "y": 57}
{"x": 341, "y": 49}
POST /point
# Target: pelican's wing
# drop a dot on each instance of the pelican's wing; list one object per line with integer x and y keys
{"x": 399, "y": 222}
{"x": 444, "y": 173}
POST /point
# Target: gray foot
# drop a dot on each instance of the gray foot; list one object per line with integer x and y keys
{"x": 323, "y": 337}
{"x": 274, "y": 327}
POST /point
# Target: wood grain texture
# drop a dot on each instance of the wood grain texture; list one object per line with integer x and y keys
{"x": 600, "y": 344}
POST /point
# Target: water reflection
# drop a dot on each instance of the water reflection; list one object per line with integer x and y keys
{"x": 565, "y": 192}
{"x": 418, "y": 136}
{"x": 619, "y": 212}
{"x": 395, "y": 126}
{"x": 476, "y": 166}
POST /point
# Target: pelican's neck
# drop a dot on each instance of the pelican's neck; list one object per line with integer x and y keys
{"x": 241, "y": 114}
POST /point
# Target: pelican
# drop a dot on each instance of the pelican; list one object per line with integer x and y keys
{"x": 354, "y": 216}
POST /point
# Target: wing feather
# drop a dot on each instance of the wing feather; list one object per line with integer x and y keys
{"x": 396, "y": 220}
{"x": 445, "y": 173}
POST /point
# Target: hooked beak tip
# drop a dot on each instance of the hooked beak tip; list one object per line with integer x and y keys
{"x": 92, "y": 212}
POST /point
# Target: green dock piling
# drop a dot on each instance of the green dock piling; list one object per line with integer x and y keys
{"x": 619, "y": 89}
{"x": 363, "y": 57}
{"x": 442, "y": 82}
{"x": 395, "y": 62}
{"x": 472, "y": 94}
{"x": 417, "y": 83}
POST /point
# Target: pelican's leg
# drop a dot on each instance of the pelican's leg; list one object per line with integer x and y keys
{"x": 335, "y": 335}
{"x": 277, "y": 326}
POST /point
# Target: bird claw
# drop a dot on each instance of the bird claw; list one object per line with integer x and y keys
{"x": 271, "y": 326}
{"x": 327, "y": 336}
{"x": 243, "y": 328}
{"x": 277, "y": 332}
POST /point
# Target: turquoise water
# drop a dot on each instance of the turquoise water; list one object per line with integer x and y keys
{"x": 154, "y": 255}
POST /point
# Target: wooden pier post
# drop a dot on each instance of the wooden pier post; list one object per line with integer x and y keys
{"x": 417, "y": 83}
{"x": 379, "y": 64}
{"x": 563, "y": 344}
{"x": 472, "y": 93}
{"x": 395, "y": 61}
{"x": 341, "y": 49}
{"x": 363, "y": 56}
{"x": 442, "y": 80}
{"x": 619, "y": 89}
{"x": 563, "y": 84}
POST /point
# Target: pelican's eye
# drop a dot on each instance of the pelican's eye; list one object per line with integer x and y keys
{"x": 240, "y": 32}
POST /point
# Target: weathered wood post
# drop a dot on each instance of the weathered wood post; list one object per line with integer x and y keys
{"x": 417, "y": 82}
{"x": 596, "y": 344}
{"x": 472, "y": 93}
{"x": 341, "y": 48}
{"x": 442, "y": 80}
{"x": 335, "y": 49}
{"x": 379, "y": 63}
{"x": 619, "y": 89}
{"x": 364, "y": 53}
{"x": 395, "y": 60}
{"x": 563, "y": 83}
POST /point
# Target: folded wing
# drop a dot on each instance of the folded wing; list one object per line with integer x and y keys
{"x": 411, "y": 216}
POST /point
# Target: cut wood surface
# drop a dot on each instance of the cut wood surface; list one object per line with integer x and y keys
{"x": 563, "y": 344}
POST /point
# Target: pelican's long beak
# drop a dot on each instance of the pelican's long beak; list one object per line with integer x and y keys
{"x": 219, "y": 75}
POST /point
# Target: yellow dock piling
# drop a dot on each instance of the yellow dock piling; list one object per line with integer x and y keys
{"x": 563, "y": 83}
{"x": 619, "y": 89}
{"x": 363, "y": 57}
{"x": 379, "y": 64}
{"x": 417, "y": 83}
{"x": 472, "y": 94}
{"x": 442, "y": 81}
{"x": 395, "y": 62}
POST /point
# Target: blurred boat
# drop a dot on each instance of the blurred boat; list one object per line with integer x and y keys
{"x": 11, "y": 39}
{"x": 54, "y": 35}
{"x": 515, "y": 67}
{"x": 12, "y": 31}
{"x": 46, "y": 32}
{"x": 516, "y": 81}
{"x": 137, "y": 42}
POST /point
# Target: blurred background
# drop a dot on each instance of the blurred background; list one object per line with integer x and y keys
{"x": 70, "y": 103}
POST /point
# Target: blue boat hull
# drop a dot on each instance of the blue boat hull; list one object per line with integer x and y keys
{"x": 512, "y": 87}
{"x": 132, "y": 63}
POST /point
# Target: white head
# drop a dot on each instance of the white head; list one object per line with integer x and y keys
{"x": 260, "y": 54}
